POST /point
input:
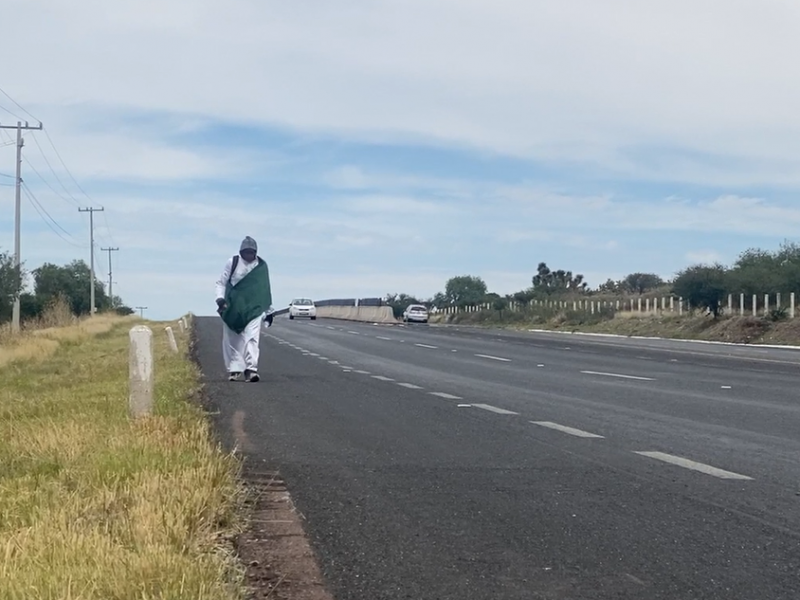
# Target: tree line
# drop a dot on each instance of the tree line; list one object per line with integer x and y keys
{"x": 755, "y": 271}
{"x": 70, "y": 283}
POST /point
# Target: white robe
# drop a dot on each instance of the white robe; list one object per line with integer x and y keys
{"x": 240, "y": 351}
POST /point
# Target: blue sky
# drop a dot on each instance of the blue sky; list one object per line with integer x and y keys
{"x": 383, "y": 147}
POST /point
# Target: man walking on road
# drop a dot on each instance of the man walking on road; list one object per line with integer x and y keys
{"x": 244, "y": 301}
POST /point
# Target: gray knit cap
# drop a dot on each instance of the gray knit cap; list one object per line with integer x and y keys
{"x": 249, "y": 243}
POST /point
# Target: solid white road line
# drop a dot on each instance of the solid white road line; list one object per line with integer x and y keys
{"x": 695, "y": 466}
{"x": 618, "y": 375}
{"x": 493, "y": 357}
{"x": 494, "y": 409}
{"x": 382, "y": 378}
{"x": 410, "y": 386}
{"x": 565, "y": 429}
{"x": 444, "y": 395}
{"x": 426, "y": 346}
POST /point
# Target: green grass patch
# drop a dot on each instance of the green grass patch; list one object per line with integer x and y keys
{"x": 94, "y": 505}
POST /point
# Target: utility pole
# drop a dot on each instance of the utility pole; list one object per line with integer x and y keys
{"x": 141, "y": 310}
{"x": 110, "y": 278}
{"x": 91, "y": 212}
{"x": 17, "y": 217}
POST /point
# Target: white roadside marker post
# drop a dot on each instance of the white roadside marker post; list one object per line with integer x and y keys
{"x": 171, "y": 337}
{"x": 141, "y": 374}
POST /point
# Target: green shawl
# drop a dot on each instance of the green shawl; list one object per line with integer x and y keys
{"x": 249, "y": 298}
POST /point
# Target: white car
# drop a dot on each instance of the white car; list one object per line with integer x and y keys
{"x": 303, "y": 307}
{"x": 415, "y": 312}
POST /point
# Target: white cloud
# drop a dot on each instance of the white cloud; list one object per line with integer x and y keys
{"x": 664, "y": 91}
{"x": 553, "y": 80}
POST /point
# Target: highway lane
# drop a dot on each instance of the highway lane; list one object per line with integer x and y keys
{"x": 751, "y": 428}
{"x": 423, "y": 497}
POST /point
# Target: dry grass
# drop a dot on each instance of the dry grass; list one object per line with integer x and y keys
{"x": 750, "y": 330}
{"x": 94, "y": 505}
{"x": 57, "y": 326}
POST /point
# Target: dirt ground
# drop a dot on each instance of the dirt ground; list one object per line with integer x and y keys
{"x": 274, "y": 548}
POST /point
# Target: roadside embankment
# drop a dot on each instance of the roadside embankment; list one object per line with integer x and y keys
{"x": 696, "y": 326}
{"x": 94, "y": 504}
{"x": 367, "y": 314}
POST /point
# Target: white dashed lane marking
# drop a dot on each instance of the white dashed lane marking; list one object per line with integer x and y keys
{"x": 380, "y": 337}
{"x": 445, "y": 395}
{"x": 382, "y": 378}
{"x": 490, "y": 357}
{"x": 618, "y": 375}
{"x": 494, "y": 409}
{"x": 694, "y": 466}
{"x": 565, "y": 429}
{"x": 410, "y": 386}
{"x": 362, "y": 372}
{"x": 426, "y": 346}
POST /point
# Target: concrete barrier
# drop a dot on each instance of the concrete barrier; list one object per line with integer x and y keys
{"x": 367, "y": 314}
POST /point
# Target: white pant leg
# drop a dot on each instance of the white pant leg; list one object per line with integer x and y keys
{"x": 252, "y": 337}
{"x": 232, "y": 349}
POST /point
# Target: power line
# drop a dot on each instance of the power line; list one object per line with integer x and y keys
{"x": 60, "y": 159}
{"x": 141, "y": 310}
{"x": 31, "y": 195}
{"x": 42, "y": 212}
{"x": 75, "y": 181}
{"x": 52, "y": 170}
{"x": 22, "y": 108}
{"x": 47, "y": 183}
{"x": 16, "y": 116}
{"x": 63, "y": 164}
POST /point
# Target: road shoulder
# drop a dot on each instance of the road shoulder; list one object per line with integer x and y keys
{"x": 273, "y": 546}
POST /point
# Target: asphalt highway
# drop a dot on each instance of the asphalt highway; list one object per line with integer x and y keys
{"x": 438, "y": 463}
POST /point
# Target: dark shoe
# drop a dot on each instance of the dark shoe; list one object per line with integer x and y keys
{"x": 235, "y": 376}
{"x": 252, "y": 376}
